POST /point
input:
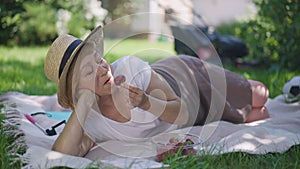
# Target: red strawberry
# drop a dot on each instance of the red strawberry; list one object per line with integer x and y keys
{"x": 189, "y": 141}
{"x": 119, "y": 79}
{"x": 185, "y": 151}
{"x": 179, "y": 144}
{"x": 176, "y": 145}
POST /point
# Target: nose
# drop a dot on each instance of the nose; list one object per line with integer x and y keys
{"x": 101, "y": 69}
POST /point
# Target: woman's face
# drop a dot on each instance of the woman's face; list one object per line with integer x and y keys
{"x": 94, "y": 72}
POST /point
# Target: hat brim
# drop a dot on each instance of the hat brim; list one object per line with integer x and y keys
{"x": 96, "y": 38}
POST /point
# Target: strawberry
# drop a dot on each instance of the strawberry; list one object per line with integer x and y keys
{"x": 179, "y": 144}
{"x": 189, "y": 141}
{"x": 176, "y": 146}
{"x": 119, "y": 80}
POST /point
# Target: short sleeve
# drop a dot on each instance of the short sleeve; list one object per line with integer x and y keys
{"x": 136, "y": 71}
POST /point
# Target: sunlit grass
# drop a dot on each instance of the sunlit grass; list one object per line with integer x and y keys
{"x": 149, "y": 51}
{"x": 273, "y": 79}
{"x": 22, "y": 68}
{"x": 241, "y": 160}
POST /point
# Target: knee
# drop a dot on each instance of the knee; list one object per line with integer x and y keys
{"x": 260, "y": 93}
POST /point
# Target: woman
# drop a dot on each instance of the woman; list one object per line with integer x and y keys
{"x": 172, "y": 93}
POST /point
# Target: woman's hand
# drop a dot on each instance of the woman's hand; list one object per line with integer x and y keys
{"x": 159, "y": 99}
{"x": 136, "y": 96}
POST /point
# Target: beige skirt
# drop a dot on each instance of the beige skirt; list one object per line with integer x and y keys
{"x": 210, "y": 92}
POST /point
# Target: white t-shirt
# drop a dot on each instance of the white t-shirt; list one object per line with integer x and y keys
{"x": 142, "y": 124}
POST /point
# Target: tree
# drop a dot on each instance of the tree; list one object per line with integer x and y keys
{"x": 274, "y": 33}
{"x": 31, "y": 22}
{"x": 119, "y": 8}
{"x": 37, "y": 25}
{"x": 279, "y": 29}
{"x": 10, "y": 17}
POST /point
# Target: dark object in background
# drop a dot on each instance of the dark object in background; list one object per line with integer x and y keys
{"x": 196, "y": 40}
{"x": 229, "y": 48}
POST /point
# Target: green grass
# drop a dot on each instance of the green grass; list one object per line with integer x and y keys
{"x": 273, "y": 79}
{"x": 150, "y": 51}
{"x": 238, "y": 160}
{"x": 22, "y": 70}
{"x": 9, "y": 151}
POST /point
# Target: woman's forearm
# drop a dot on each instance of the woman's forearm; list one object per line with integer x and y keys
{"x": 172, "y": 111}
{"x": 73, "y": 140}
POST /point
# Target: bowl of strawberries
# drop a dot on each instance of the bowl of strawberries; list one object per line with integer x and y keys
{"x": 175, "y": 144}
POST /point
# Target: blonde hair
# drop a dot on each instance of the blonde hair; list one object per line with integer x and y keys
{"x": 72, "y": 83}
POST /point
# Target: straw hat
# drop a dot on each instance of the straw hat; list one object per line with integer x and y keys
{"x": 60, "y": 56}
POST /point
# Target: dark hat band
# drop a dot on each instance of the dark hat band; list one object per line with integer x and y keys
{"x": 67, "y": 55}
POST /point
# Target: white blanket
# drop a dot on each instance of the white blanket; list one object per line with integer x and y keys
{"x": 276, "y": 134}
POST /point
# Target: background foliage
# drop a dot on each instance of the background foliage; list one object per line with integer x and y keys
{"x": 34, "y": 22}
{"x": 119, "y": 8}
{"x": 37, "y": 25}
{"x": 273, "y": 34}
{"x": 10, "y": 17}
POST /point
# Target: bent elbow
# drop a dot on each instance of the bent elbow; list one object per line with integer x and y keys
{"x": 61, "y": 149}
{"x": 66, "y": 149}
{"x": 182, "y": 118}
{"x": 183, "y": 115}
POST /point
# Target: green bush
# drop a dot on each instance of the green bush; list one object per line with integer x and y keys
{"x": 273, "y": 35}
{"x": 79, "y": 24}
{"x": 33, "y": 22}
{"x": 10, "y": 17}
{"x": 38, "y": 25}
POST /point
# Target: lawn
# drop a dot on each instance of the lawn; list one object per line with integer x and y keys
{"x": 22, "y": 67}
{"x": 22, "y": 70}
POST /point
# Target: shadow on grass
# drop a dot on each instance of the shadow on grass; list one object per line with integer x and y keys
{"x": 25, "y": 77}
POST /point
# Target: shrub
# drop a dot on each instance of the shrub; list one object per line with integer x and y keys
{"x": 273, "y": 34}
{"x": 10, "y": 17}
{"x": 38, "y": 26}
{"x": 34, "y": 22}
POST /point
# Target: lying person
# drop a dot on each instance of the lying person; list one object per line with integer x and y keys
{"x": 131, "y": 100}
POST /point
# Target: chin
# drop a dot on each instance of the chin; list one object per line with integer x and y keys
{"x": 106, "y": 90}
